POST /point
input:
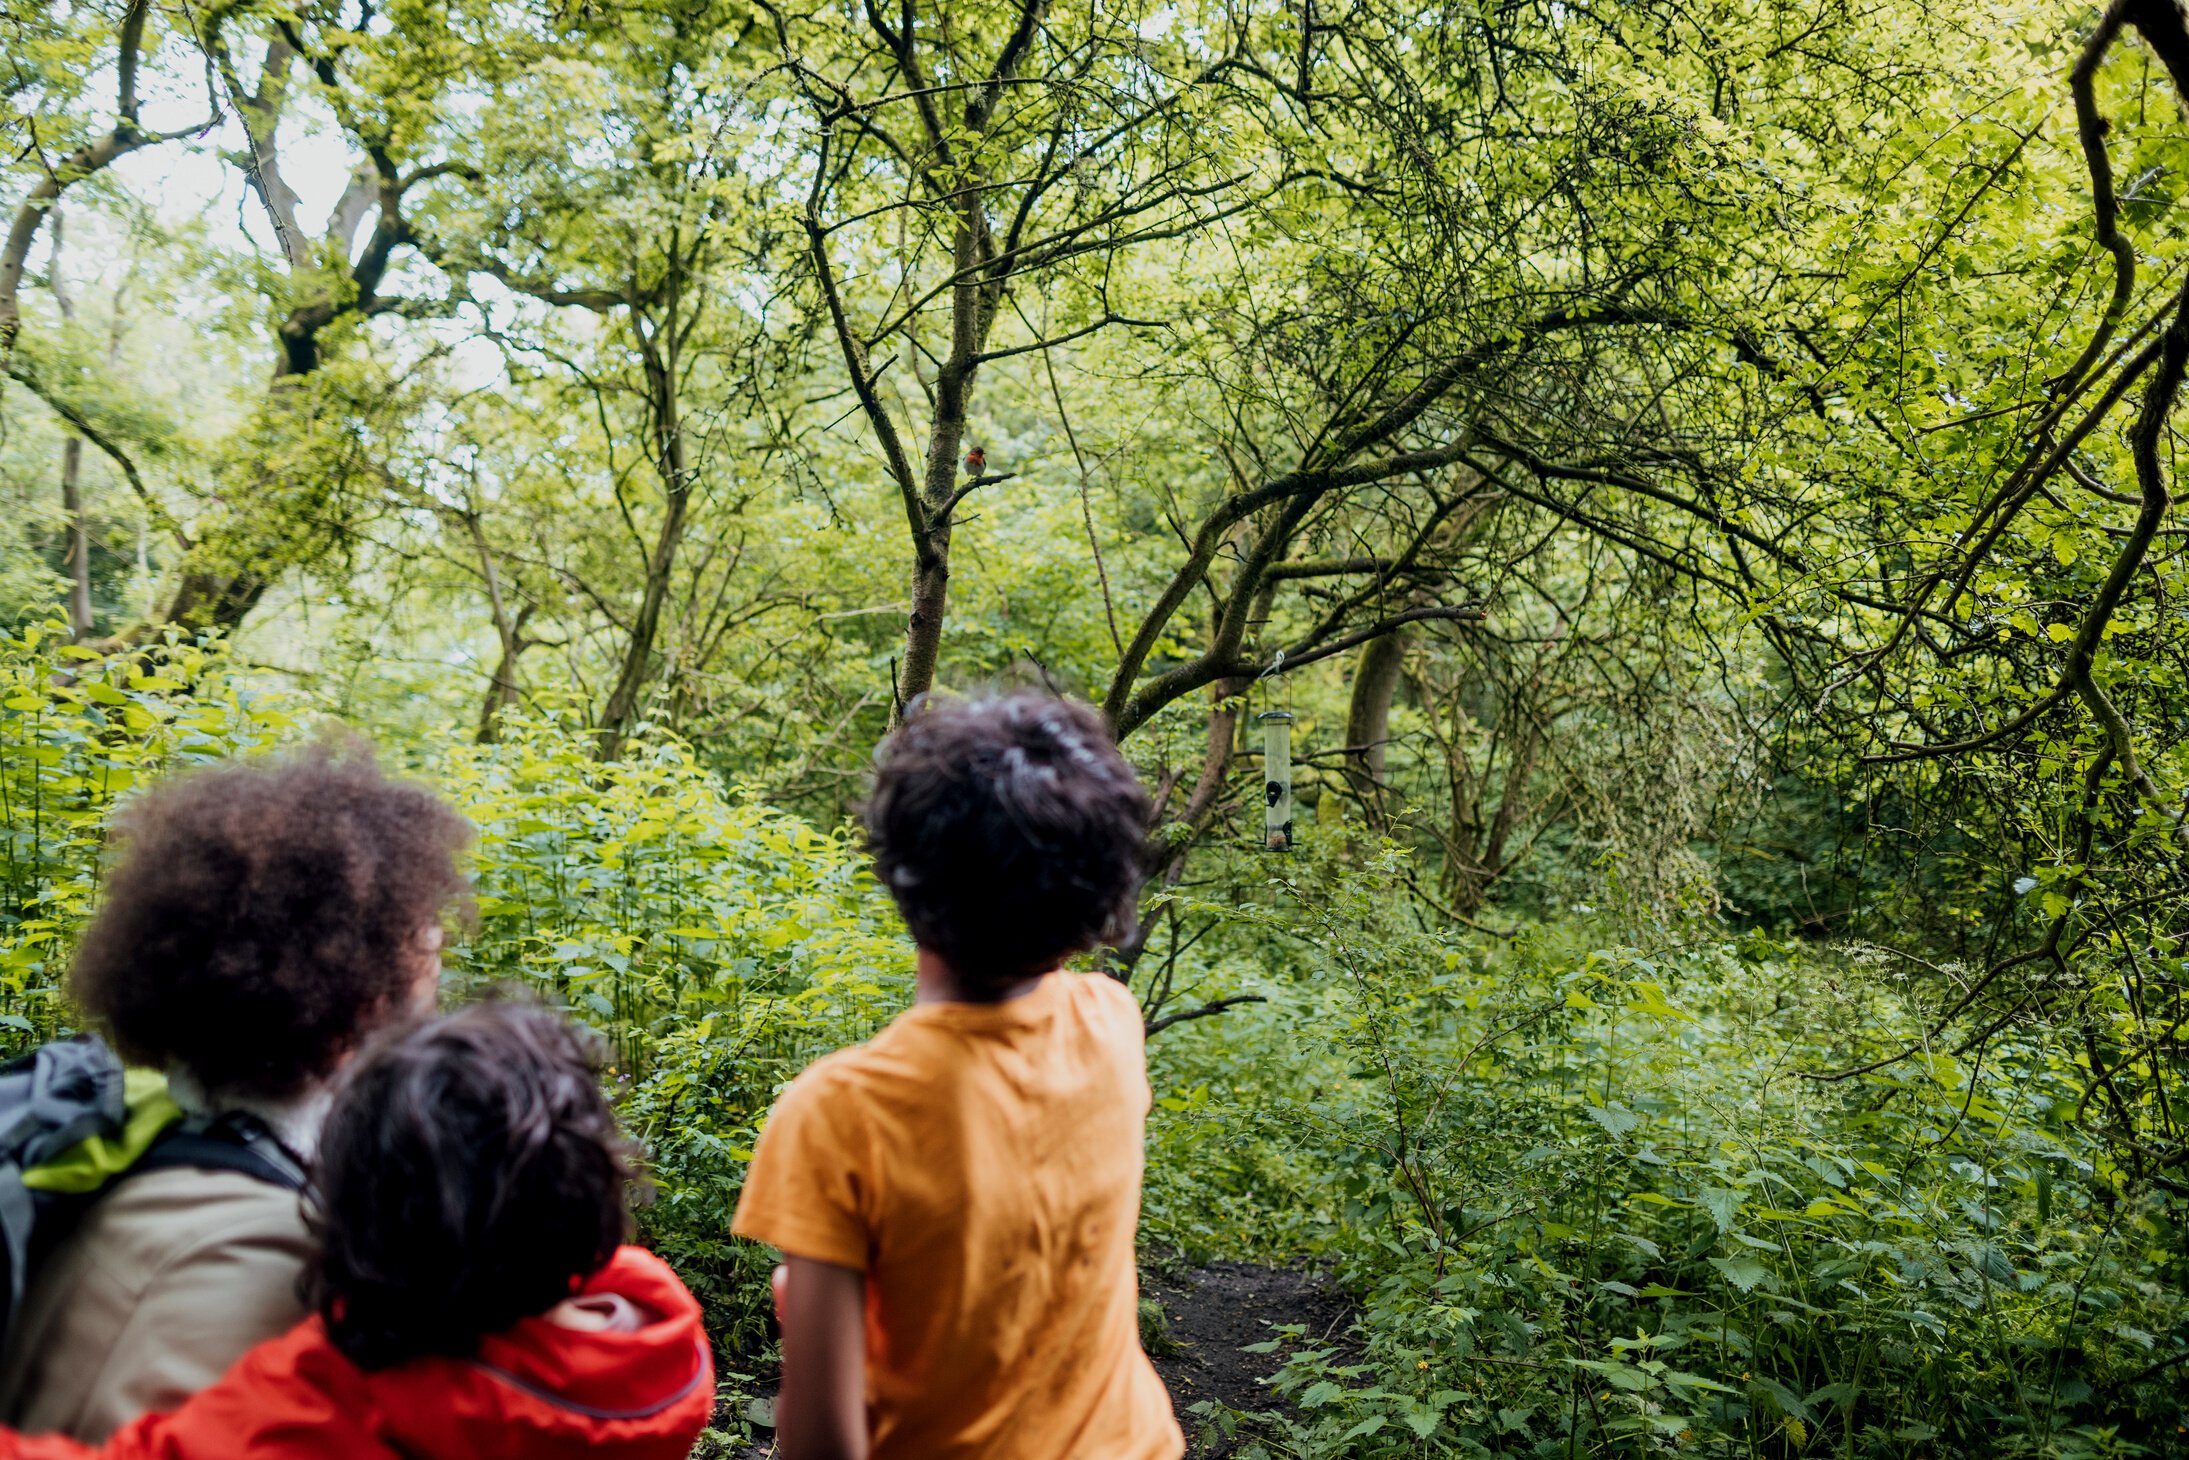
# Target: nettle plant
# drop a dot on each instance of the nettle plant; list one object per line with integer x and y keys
{"x": 718, "y": 944}
{"x": 1595, "y": 1203}
{"x": 78, "y": 731}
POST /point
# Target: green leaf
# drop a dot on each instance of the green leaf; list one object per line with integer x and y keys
{"x": 1781, "y": 1398}
{"x": 1614, "y": 1118}
{"x": 1743, "y": 1272}
{"x": 1723, "y": 1204}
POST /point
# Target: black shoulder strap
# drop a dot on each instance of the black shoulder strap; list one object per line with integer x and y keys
{"x": 236, "y": 1141}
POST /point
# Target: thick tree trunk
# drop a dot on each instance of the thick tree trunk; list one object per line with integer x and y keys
{"x": 1368, "y": 724}
{"x": 242, "y": 556}
{"x": 210, "y": 598}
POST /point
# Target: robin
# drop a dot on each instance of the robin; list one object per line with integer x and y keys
{"x": 976, "y": 462}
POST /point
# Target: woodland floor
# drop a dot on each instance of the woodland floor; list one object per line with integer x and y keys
{"x": 1214, "y": 1312}
{"x": 1210, "y": 1315}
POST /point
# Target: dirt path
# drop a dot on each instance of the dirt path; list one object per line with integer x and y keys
{"x": 1213, "y": 1313}
{"x": 1209, "y": 1315}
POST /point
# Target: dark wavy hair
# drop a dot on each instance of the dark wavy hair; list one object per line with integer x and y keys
{"x": 262, "y": 916}
{"x": 471, "y": 1174}
{"x": 1010, "y": 832}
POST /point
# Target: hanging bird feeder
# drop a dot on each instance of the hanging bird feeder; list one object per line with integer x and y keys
{"x": 1277, "y": 779}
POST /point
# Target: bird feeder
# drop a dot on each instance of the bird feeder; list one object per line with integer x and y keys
{"x": 1277, "y": 779}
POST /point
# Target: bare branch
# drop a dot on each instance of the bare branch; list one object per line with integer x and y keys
{"x": 84, "y": 427}
{"x": 1203, "y": 1011}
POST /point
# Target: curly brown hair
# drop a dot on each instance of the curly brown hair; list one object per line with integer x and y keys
{"x": 263, "y": 916}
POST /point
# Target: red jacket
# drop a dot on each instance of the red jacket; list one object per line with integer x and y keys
{"x": 537, "y": 1391}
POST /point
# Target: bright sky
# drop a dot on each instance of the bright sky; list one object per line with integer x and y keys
{"x": 187, "y": 179}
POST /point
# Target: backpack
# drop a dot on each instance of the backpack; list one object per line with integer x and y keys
{"x": 74, "y": 1121}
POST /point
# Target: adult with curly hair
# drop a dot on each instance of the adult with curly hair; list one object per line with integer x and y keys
{"x": 262, "y": 919}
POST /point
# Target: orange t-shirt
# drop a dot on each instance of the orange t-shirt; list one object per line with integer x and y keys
{"x": 981, "y": 1163}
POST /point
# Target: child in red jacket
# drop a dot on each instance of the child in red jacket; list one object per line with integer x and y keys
{"x": 474, "y": 1299}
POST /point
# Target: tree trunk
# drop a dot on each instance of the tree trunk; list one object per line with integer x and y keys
{"x": 79, "y": 539}
{"x": 1516, "y": 797}
{"x": 953, "y": 386}
{"x": 675, "y": 467}
{"x": 638, "y": 656}
{"x": 1167, "y": 858}
{"x": 501, "y": 691}
{"x": 1368, "y": 724}
{"x": 78, "y": 555}
{"x": 94, "y": 156}
{"x": 213, "y": 598}
{"x": 240, "y": 558}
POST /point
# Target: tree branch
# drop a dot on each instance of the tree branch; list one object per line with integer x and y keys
{"x": 83, "y": 427}
{"x": 1203, "y": 1011}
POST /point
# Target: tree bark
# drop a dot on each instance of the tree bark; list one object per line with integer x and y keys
{"x": 972, "y": 311}
{"x": 1368, "y": 723}
{"x": 79, "y": 539}
{"x": 240, "y": 559}
{"x": 958, "y": 180}
{"x": 673, "y": 463}
{"x": 501, "y": 691}
{"x": 78, "y": 555}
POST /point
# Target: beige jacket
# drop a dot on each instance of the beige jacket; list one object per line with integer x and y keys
{"x": 164, "y": 1284}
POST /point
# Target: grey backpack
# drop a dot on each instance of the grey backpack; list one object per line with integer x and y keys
{"x": 66, "y": 1136}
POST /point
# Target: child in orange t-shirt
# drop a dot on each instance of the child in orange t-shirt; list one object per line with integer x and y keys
{"x": 956, "y": 1198}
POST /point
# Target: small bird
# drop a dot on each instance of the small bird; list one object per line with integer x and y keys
{"x": 976, "y": 462}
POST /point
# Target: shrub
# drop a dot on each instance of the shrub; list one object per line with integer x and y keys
{"x": 1591, "y": 1205}
{"x": 78, "y": 731}
{"x": 720, "y": 945}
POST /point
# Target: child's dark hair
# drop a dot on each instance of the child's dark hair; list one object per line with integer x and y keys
{"x": 1010, "y": 832}
{"x": 471, "y": 1174}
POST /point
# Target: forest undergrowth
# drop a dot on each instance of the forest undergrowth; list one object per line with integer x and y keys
{"x": 1582, "y": 1181}
{"x": 1593, "y": 1200}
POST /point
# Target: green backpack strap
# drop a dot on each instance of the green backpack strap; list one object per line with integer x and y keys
{"x": 94, "y": 1161}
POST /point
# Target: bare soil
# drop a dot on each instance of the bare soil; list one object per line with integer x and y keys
{"x": 1210, "y": 1316}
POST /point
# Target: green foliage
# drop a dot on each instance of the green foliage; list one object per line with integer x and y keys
{"x": 1587, "y": 1195}
{"x": 1723, "y": 415}
{"x": 77, "y": 733}
{"x": 1593, "y": 1205}
{"x": 721, "y": 946}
